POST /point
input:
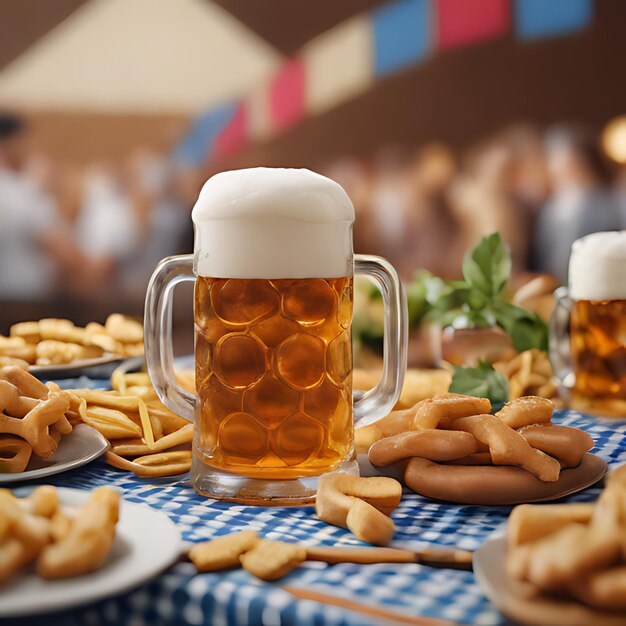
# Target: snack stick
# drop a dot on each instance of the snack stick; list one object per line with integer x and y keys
{"x": 518, "y": 561}
{"x": 338, "y": 494}
{"x": 146, "y": 470}
{"x": 177, "y": 438}
{"x": 60, "y": 526}
{"x": 271, "y": 560}
{"x": 88, "y": 541}
{"x": 108, "y": 399}
{"x": 12, "y": 402}
{"x": 10, "y": 361}
{"x": 444, "y": 410}
{"x": 222, "y": 552}
{"x": 146, "y": 424}
{"x": 617, "y": 476}
{"x": 368, "y": 524}
{"x": 13, "y": 557}
{"x": 28, "y": 331}
{"x": 30, "y": 530}
{"x": 165, "y": 459}
{"x": 28, "y": 385}
{"x": 569, "y": 554}
{"x": 436, "y": 445}
{"x": 124, "y": 329}
{"x": 34, "y": 427}
{"x": 610, "y": 511}
{"x": 526, "y": 411}
{"x": 15, "y": 454}
{"x": 605, "y": 590}
{"x": 508, "y": 447}
{"x": 17, "y": 348}
{"x": 169, "y": 421}
{"x": 531, "y": 522}
{"x": 337, "y": 489}
{"x": 365, "y": 437}
{"x": 42, "y": 501}
{"x": 564, "y": 443}
{"x": 111, "y": 423}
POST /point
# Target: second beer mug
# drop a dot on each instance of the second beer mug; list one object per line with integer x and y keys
{"x": 273, "y": 270}
{"x": 591, "y": 362}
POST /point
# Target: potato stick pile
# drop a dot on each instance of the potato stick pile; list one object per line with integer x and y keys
{"x": 146, "y": 438}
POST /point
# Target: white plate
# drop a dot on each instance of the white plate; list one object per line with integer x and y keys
{"x": 520, "y": 604}
{"x": 82, "y": 445}
{"x": 147, "y": 542}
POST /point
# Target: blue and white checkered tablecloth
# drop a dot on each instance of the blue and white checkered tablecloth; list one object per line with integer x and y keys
{"x": 182, "y": 597}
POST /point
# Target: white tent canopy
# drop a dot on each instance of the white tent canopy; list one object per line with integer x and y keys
{"x": 139, "y": 56}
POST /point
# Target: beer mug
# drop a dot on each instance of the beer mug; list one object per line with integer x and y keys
{"x": 273, "y": 269}
{"x": 591, "y": 362}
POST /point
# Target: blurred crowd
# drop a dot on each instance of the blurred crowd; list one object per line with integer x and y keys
{"x": 89, "y": 237}
{"x": 79, "y": 242}
{"x": 424, "y": 207}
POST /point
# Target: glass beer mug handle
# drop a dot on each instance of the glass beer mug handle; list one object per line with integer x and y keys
{"x": 377, "y": 402}
{"x": 559, "y": 339}
{"x": 158, "y": 333}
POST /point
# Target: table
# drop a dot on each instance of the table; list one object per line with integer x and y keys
{"x": 180, "y": 597}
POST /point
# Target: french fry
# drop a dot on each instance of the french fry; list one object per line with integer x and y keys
{"x": 146, "y": 423}
{"x": 111, "y": 423}
{"x": 136, "y": 448}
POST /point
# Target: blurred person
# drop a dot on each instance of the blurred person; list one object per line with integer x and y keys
{"x": 434, "y": 235}
{"x": 580, "y": 203}
{"x": 482, "y": 203}
{"x": 31, "y": 243}
{"x": 107, "y": 229}
{"x": 385, "y": 227}
{"x": 162, "y": 213}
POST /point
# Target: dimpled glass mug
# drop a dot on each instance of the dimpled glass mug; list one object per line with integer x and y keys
{"x": 273, "y": 268}
{"x": 588, "y": 325}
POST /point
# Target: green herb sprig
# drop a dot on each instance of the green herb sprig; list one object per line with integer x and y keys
{"x": 482, "y": 381}
{"x": 477, "y": 300}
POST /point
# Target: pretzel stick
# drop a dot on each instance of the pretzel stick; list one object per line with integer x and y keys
{"x": 370, "y": 611}
{"x": 435, "y": 557}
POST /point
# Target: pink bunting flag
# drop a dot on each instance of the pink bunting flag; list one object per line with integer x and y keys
{"x": 287, "y": 94}
{"x": 462, "y": 22}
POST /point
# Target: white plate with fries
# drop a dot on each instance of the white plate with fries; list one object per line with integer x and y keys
{"x": 81, "y": 446}
{"x": 146, "y": 543}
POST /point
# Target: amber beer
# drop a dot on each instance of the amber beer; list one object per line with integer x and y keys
{"x": 598, "y": 342}
{"x": 272, "y": 266}
{"x": 597, "y": 293}
{"x": 274, "y": 375}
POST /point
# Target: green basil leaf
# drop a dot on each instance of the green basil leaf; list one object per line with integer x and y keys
{"x": 488, "y": 266}
{"x": 525, "y": 329}
{"x": 482, "y": 381}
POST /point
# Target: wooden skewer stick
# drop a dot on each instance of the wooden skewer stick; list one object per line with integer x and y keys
{"x": 370, "y": 611}
{"x": 434, "y": 557}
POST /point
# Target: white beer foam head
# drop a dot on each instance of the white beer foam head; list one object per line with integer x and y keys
{"x": 273, "y": 223}
{"x": 597, "y": 267}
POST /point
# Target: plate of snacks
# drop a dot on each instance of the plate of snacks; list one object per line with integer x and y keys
{"x": 452, "y": 448}
{"x": 144, "y": 436}
{"x": 561, "y": 563}
{"x": 40, "y": 429}
{"x": 63, "y": 548}
{"x": 57, "y": 348}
